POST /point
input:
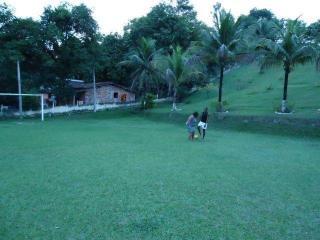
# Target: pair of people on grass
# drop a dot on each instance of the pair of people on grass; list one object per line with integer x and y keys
{"x": 202, "y": 125}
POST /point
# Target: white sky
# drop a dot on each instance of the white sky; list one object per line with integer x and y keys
{"x": 113, "y": 15}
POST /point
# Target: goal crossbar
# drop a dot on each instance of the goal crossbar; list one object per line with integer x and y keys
{"x": 29, "y": 95}
{"x": 23, "y": 94}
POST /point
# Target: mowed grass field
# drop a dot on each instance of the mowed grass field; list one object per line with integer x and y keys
{"x": 117, "y": 175}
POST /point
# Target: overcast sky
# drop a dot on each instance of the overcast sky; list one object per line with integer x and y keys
{"x": 113, "y": 15}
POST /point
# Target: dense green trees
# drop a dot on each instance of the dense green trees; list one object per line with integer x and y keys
{"x": 167, "y": 25}
{"x": 21, "y": 40}
{"x": 160, "y": 50}
{"x": 66, "y": 43}
{"x": 115, "y": 48}
{"x": 71, "y": 42}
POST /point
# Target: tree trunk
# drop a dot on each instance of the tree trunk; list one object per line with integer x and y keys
{"x": 221, "y": 83}
{"x": 147, "y": 85}
{"x": 158, "y": 91}
{"x": 285, "y": 86}
{"x": 144, "y": 95}
{"x": 174, "y": 100}
{"x": 219, "y": 107}
{"x": 158, "y": 87}
{"x": 285, "y": 89}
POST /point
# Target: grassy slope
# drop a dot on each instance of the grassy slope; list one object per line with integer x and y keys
{"x": 115, "y": 176}
{"x": 249, "y": 93}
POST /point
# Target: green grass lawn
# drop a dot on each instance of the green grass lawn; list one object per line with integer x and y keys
{"x": 247, "y": 92}
{"x": 118, "y": 175}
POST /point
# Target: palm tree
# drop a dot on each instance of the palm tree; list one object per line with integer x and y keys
{"x": 261, "y": 29}
{"x": 264, "y": 28}
{"x": 313, "y": 37}
{"x": 141, "y": 60}
{"x": 290, "y": 49}
{"x": 257, "y": 31}
{"x": 179, "y": 69}
{"x": 224, "y": 39}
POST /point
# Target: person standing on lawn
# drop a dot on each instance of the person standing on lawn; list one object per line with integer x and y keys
{"x": 191, "y": 125}
{"x": 203, "y": 124}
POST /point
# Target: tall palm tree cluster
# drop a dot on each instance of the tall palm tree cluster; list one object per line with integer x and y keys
{"x": 272, "y": 42}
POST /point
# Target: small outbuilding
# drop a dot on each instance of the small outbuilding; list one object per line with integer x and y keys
{"x": 106, "y": 92}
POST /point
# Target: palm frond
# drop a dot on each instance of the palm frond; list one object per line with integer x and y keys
{"x": 303, "y": 55}
{"x": 141, "y": 60}
{"x": 290, "y": 49}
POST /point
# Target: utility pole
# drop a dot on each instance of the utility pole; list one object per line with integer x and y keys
{"x": 94, "y": 91}
{"x": 19, "y": 88}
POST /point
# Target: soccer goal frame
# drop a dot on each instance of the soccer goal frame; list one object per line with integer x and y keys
{"x": 41, "y": 96}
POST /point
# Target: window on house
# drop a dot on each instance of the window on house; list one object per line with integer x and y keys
{"x": 115, "y": 95}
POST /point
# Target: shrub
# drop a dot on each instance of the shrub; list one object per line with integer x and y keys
{"x": 147, "y": 102}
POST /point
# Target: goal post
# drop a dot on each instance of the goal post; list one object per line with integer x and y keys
{"x": 41, "y": 96}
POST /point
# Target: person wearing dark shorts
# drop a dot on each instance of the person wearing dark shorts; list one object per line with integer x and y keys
{"x": 203, "y": 124}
